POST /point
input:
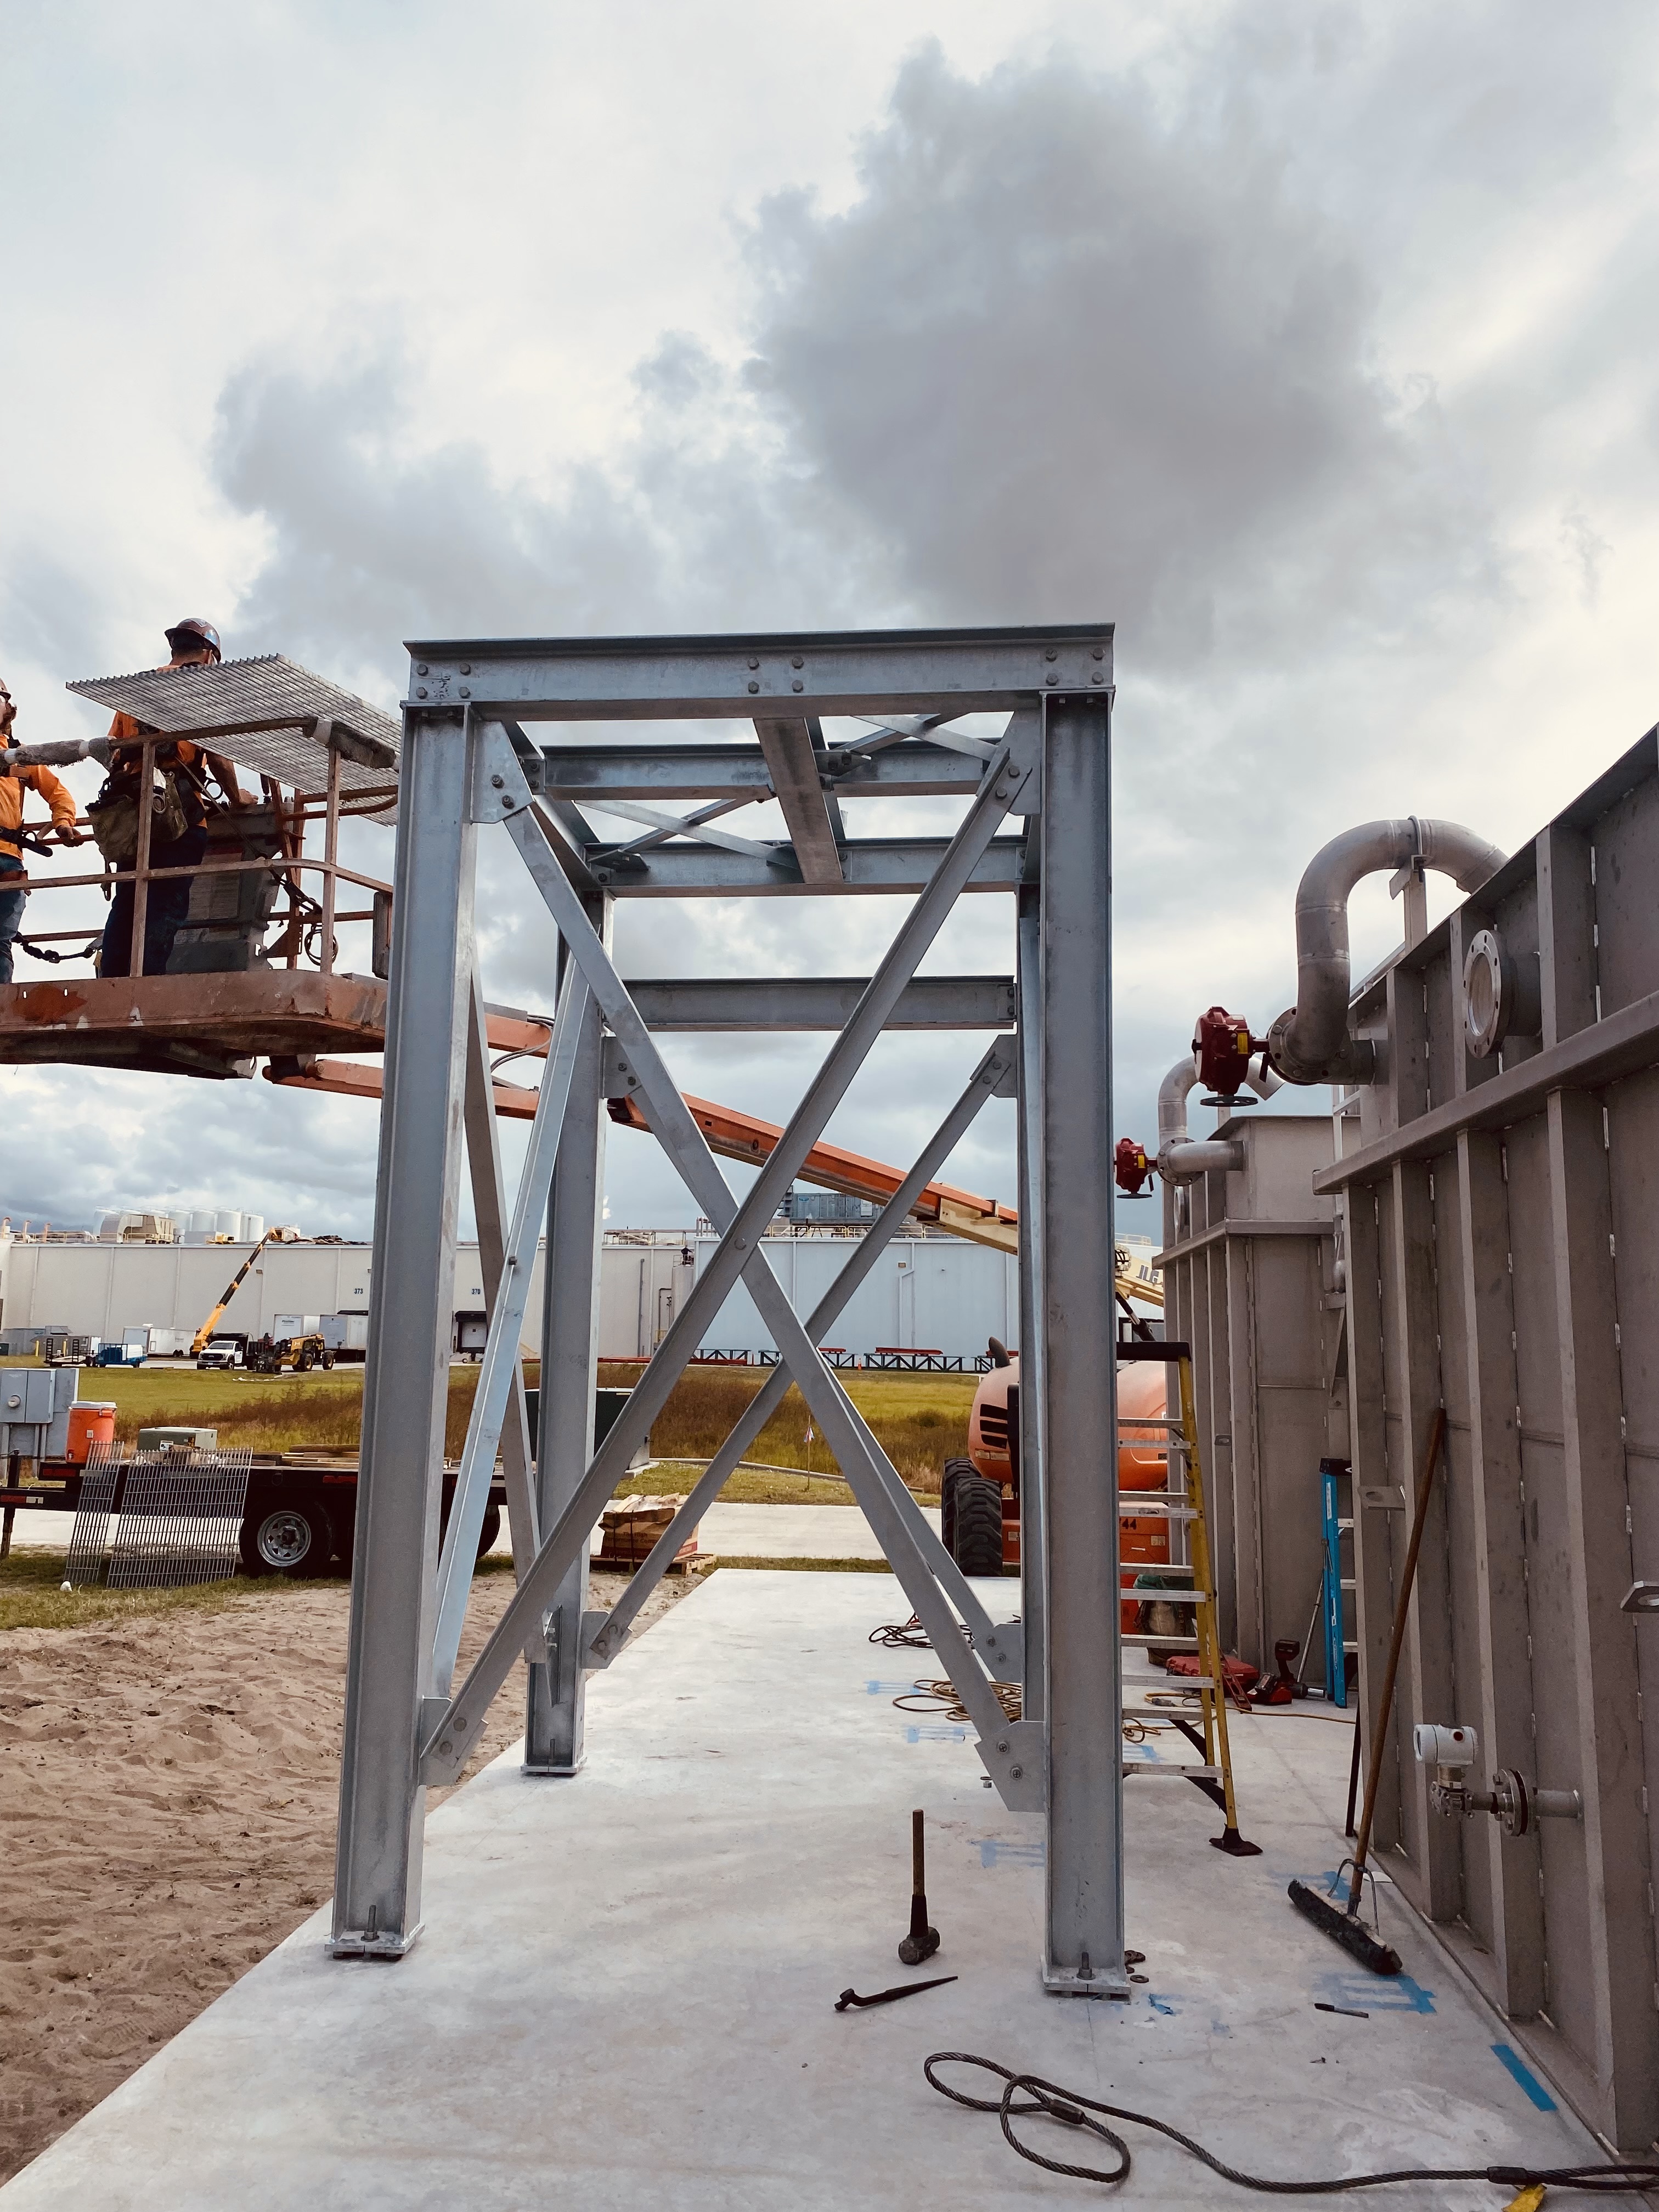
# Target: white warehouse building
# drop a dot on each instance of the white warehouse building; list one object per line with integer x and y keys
{"x": 934, "y": 1293}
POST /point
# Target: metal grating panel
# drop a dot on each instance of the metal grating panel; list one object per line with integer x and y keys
{"x": 178, "y": 1519}
{"x": 88, "y": 1544}
{"x": 257, "y": 712}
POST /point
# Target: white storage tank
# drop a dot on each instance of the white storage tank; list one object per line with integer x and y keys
{"x": 228, "y": 1224}
{"x": 253, "y": 1228}
{"x": 200, "y": 1226}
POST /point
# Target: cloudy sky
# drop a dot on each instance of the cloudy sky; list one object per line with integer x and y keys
{"x": 1316, "y": 346}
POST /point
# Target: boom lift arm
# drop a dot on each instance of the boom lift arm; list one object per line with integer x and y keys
{"x": 199, "y": 1341}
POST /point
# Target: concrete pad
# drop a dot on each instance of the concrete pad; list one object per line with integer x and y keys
{"x": 793, "y": 1532}
{"x": 624, "y": 1996}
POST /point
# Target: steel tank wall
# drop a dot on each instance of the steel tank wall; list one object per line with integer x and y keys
{"x": 1250, "y": 1284}
{"x": 1503, "y": 1260}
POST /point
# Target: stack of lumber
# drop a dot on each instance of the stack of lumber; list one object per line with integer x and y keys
{"x": 629, "y": 1527}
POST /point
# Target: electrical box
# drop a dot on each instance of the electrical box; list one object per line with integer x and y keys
{"x": 35, "y": 1408}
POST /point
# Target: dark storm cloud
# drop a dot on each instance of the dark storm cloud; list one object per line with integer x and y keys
{"x": 1068, "y": 356}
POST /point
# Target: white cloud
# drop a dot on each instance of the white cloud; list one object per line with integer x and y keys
{"x": 1314, "y": 346}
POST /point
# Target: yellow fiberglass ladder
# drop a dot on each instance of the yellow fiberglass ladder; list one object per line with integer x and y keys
{"x": 1181, "y": 1504}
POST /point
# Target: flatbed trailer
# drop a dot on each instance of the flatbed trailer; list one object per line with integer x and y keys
{"x": 299, "y": 1518}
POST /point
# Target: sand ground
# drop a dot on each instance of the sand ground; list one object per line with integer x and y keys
{"x": 167, "y": 1802}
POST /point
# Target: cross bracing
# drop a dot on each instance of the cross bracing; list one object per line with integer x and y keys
{"x": 1034, "y": 824}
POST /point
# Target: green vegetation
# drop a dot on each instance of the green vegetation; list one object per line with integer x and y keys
{"x": 921, "y": 1420}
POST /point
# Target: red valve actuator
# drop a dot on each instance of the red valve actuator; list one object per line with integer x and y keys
{"x": 1224, "y": 1045}
{"x": 1131, "y": 1169}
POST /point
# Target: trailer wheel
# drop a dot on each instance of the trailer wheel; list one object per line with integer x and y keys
{"x": 292, "y": 1537}
{"x": 978, "y": 1524}
{"x": 490, "y": 1530}
{"x": 954, "y": 1471}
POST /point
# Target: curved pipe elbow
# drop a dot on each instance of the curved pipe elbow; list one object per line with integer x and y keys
{"x": 1180, "y": 1162}
{"x": 1172, "y": 1096}
{"x": 1310, "y": 1043}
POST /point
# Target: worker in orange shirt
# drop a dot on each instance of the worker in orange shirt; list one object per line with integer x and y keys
{"x": 63, "y": 811}
{"x": 193, "y": 644}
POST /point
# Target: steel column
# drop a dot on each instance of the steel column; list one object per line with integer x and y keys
{"x": 406, "y": 1379}
{"x": 1033, "y": 1502}
{"x": 555, "y": 1705}
{"x": 1083, "y": 1941}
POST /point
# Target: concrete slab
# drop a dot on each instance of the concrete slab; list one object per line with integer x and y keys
{"x": 791, "y": 1532}
{"x": 624, "y": 1996}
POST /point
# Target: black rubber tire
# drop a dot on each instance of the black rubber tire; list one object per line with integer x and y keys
{"x": 954, "y": 1471}
{"x": 289, "y": 1536}
{"x": 978, "y": 1525}
{"x": 490, "y": 1530}
{"x": 328, "y": 1359}
{"x": 302, "y": 1364}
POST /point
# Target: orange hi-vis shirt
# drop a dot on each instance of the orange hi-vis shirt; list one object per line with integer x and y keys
{"x": 170, "y": 753}
{"x": 56, "y": 794}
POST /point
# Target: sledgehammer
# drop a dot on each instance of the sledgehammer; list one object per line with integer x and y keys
{"x": 922, "y": 1941}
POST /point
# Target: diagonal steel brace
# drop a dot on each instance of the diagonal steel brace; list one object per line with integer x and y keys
{"x": 998, "y": 1643}
{"x": 500, "y": 1356}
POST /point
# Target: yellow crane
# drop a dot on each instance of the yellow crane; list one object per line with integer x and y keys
{"x": 198, "y": 1342}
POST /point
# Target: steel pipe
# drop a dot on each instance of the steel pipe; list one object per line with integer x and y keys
{"x": 1309, "y": 1042}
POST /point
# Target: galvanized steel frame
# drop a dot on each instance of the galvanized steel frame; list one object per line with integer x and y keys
{"x": 467, "y": 761}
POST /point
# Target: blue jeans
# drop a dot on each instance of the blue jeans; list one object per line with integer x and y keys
{"x": 11, "y": 912}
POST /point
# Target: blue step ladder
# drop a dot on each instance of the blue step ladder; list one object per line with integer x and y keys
{"x": 1335, "y": 1475}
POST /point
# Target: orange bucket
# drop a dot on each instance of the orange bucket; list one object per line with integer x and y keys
{"x": 89, "y": 1425}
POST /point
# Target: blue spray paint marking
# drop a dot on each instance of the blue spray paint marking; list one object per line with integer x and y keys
{"x": 994, "y": 1852}
{"x": 1524, "y": 2074}
{"x": 1144, "y": 1754}
{"x": 934, "y": 1733}
{"x": 1161, "y": 2004}
{"x": 1376, "y": 1992}
{"x": 890, "y": 1689}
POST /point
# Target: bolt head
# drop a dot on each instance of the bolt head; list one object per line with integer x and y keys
{"x": 1051, "y": 655}
{"x": 465, "y": 692}
{"x": 1097, "y": 678}
{"x": 1003, "y": 1744}
{"x": 420, "y": 691}
{"x": 754, "y": 686}
{"x": 496, "y": 781}
{"x": 466, "y": 668}
{"x": 794, "y": 661}
{"x": 421, "y": 668}
{"x": 797, "y": 685}
{"x": 754, "y": 664}
{"x": 1051, "y": 677}
{"x": 1014, "y": 1774}
{"x": 507, "y": 800}
{"x": 1100, "y": 653}
{"x": 443, "y": 1745}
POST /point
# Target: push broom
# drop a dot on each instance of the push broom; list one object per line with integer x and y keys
{"x": 1347, "y": 1929}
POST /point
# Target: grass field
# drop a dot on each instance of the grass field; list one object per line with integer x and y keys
{"x": 921, "y": 1420}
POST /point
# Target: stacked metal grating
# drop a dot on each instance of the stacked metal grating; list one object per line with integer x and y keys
{"x": 159, "y": 1520}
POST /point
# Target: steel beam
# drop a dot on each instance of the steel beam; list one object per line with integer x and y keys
{"x": 555, "y": 1702}
{"x": 1083, "y": 1950}
{"x": 585, "y": 679}
{"x": 1033, "y": 1502}
{"x": 793, "y": 767}
{"x": 878, "y": 867}
{"x": 489, "y": 1210}
{"x": 820, "y": 1002}
{"x": 500, "y": 1365}
{"x": 914, "y": 768}
{"x": 406, "y": 1377}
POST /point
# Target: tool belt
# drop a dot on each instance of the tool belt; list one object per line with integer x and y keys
{"x": 115, "y": 817}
